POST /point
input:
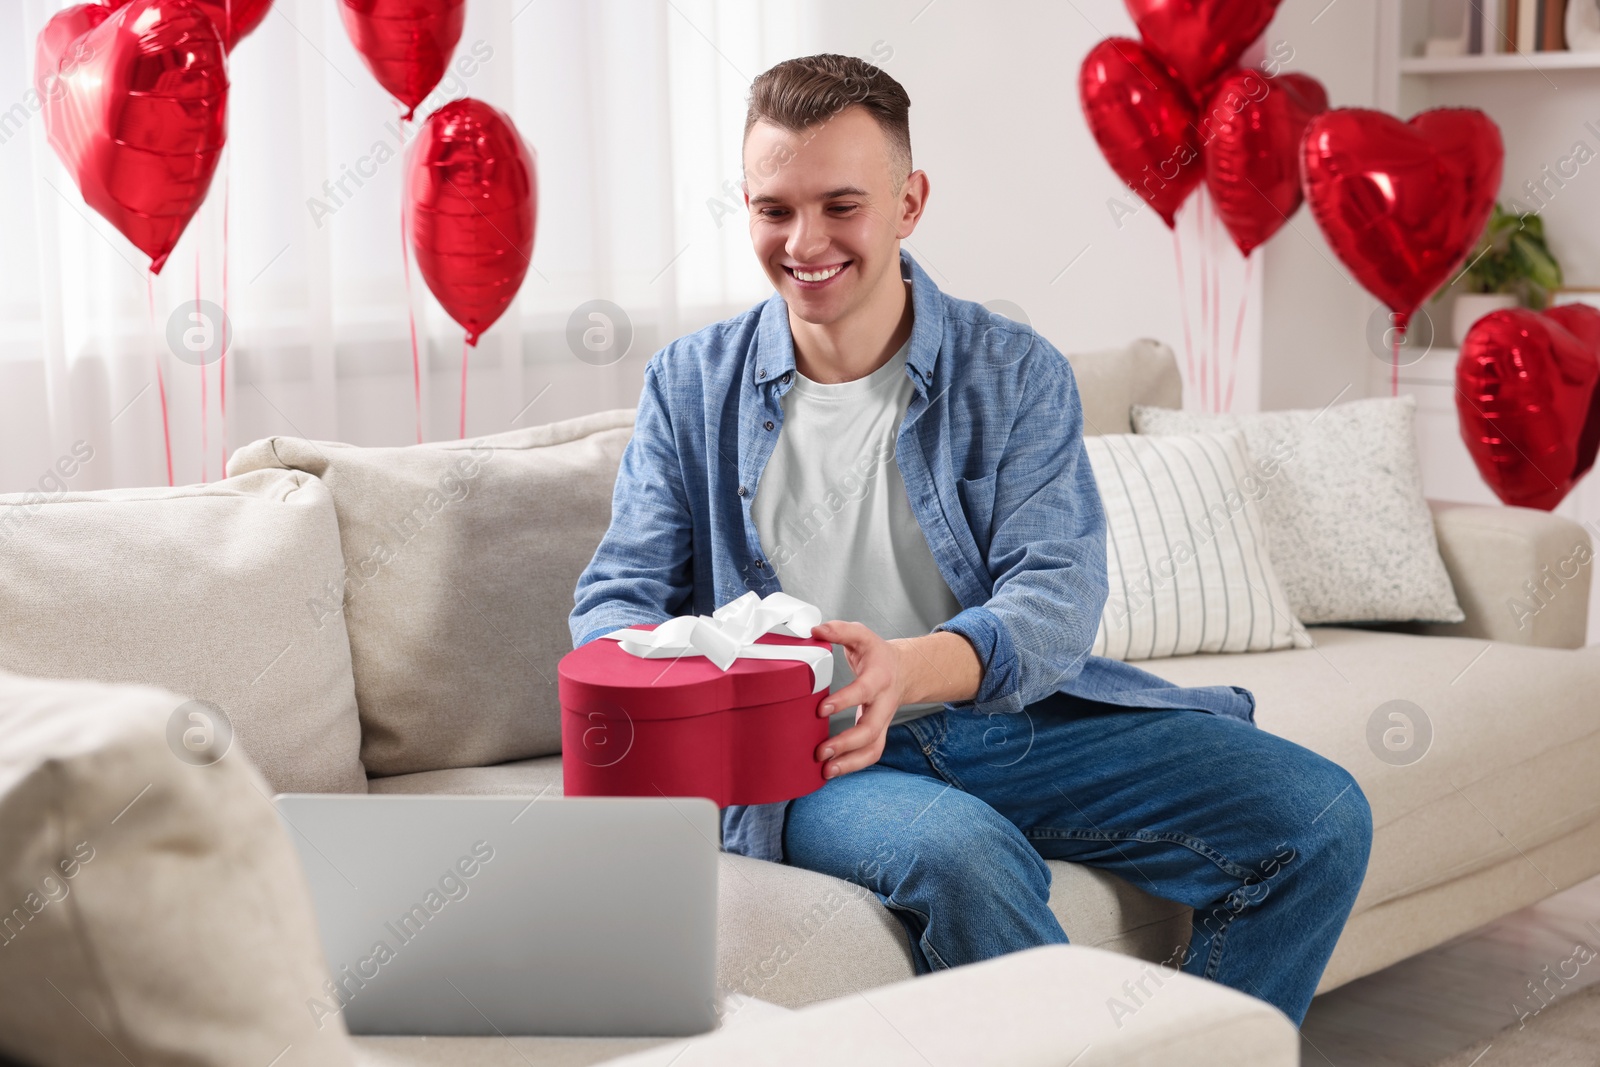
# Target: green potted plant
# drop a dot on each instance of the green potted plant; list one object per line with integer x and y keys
{"x": 1510, "y": 266}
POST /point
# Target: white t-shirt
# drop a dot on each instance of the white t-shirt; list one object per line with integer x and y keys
{"x": 834, "y": 519}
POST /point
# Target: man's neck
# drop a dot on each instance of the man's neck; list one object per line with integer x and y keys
{"x": 847, "y": 350}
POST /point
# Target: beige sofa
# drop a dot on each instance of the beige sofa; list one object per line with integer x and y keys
{"x": 1503, "y": 811}
{"x": 400, "y": 611}
{"x": 161, "y": 918}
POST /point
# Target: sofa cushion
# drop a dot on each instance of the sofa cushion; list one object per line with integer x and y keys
{"x": 1351, "y": 532}
{"x": 206, "y": 590}
{"x": 461, "y": 558}
{"x": 531, "y": 777}
{"x": 158, "y": 910}
{"x": 1187, "y": 558}
{"x": 509, "y": 1051}
{"x": 526, "y": 1051}
{"x": 1052, "y": 1006}
{"x": 1469, "y": 752}
{"x": 1110, "y": 381}
{"x": 793, "y": 937}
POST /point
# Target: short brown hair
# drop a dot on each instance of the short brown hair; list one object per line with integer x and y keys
{"x": 798, "y": 94}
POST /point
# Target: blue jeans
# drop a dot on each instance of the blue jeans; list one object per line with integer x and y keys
{"x": 1266, "y": 840}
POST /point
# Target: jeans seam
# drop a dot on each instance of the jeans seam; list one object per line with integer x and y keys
{"x": 1218, "y": 941}
{"x": 930, "y": 747}
{"x": 926, "y": 725}
{"x": 1171, "y": 837}
{"x": 932, "y": 954}
{"x": 1219, "y": 938}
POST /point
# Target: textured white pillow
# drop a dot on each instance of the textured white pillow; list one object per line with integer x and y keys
{"x": 1186, "y": 549}
{"x": 1351, "y": 533}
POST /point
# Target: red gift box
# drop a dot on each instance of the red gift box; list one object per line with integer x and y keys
{"x": 681, "y": 726}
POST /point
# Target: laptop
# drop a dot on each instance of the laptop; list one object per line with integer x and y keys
{"x": 485, "y": 915}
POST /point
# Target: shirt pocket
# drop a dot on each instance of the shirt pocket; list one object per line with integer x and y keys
{"x": 977, "y": 504}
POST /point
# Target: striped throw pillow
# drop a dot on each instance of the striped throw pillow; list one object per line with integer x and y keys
{"x": 1186, "y": 549}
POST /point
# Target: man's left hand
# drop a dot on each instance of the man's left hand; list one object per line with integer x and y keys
{"x": 935, "y": 668}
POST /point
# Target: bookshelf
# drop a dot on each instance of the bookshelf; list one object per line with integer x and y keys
{"x": 1408, "y": 81}
{"x": 1513, "y": 63}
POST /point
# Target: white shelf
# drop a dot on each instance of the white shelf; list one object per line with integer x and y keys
{"x": 1524, "y": 62}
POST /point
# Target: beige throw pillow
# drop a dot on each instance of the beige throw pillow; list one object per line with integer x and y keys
{"x": 206, "y": 590}
{"x": 154, "y": 910}
{"x": 461, "y": 558}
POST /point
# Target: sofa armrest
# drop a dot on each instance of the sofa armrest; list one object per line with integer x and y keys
{"x": 1045, "y": 1007}
{"x": 1522, "y": 575}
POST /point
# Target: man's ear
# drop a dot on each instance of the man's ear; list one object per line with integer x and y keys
{"x": 916, "y": 181}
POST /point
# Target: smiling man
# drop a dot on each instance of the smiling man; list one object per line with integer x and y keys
{"x": 913, "y": 464}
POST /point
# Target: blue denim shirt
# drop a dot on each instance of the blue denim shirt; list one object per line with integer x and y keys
{"x": 991, "y": 452}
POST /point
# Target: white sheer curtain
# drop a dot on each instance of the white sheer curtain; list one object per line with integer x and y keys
{"x": 634, "y": 110}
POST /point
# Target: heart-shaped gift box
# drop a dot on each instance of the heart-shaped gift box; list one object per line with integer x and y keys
{"x": 672, "y": 721}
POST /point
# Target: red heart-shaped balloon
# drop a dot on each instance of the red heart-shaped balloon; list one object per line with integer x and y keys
{"x": 1253, "y": 157}
{"x": 233, "y": 18}
{"x": 1528, "y": 403}
{"x": 59, "y": 46}
{"x": 405, "y": 43}
{"x": 135, "y": 104}
{"x": 1143, "y": 121}
{"x": 1401, "y": 203}
{"x": 471, "y": 204}
{"x": 1200, "y": 39}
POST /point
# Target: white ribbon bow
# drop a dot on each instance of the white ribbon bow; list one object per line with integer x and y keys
{"x": 730, "y": 633}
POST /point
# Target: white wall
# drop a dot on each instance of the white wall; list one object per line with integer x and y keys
{"x": 1019, "y": 188}
{"x": 1314, "y": 314}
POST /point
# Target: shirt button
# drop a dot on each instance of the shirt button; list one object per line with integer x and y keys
{"x": 768, "y": 424}
{"x": 761, "y": 374}
{"x": 741, "y": 490}
{"x": 761, "y": 563}
{"x": 785, "y": 378}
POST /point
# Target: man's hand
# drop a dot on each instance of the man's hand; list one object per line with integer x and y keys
{"x": 938, "y": 666}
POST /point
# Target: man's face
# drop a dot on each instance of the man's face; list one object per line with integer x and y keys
{"x": 822, "y": 203}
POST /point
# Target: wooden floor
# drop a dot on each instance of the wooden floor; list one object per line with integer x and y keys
{"x": 1461, "y": 993}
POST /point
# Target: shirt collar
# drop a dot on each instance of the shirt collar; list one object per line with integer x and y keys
{"x": 775, "y": 343}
